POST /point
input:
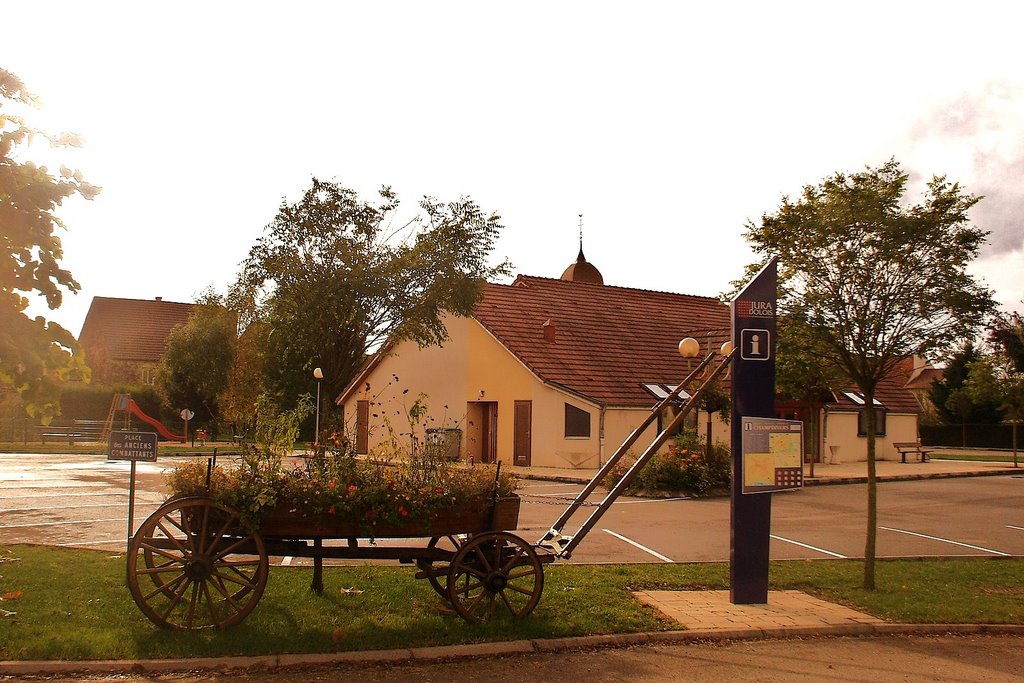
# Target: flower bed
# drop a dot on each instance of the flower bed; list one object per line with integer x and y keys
{"x": 368, "y": 494}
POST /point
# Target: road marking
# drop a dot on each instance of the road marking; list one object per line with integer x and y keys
{"x": 119, "y": 541}
{"x": 650, "y": 500}
{"x": 66, "y": 495}
{"x": 64, "y": 507}
{"x": 67, "y": 521}
{"x": 946, "y": 540}
{"x": 637, "y": 545}
{"x": 809, "y": 547}
{"x": 1018, "y": 528}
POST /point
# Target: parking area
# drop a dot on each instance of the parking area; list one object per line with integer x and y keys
{"x": 82, "y": 501}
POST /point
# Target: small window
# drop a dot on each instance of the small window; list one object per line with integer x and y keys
{"x": 862, "y": 424}
{"x": 577, "y": 422}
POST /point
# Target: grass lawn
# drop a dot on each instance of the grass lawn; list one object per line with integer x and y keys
{"x": 990, "y": 456}
{"x": 73, "y": 604}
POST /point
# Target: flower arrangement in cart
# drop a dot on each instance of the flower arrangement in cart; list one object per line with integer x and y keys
{"x": 395, "y": 483}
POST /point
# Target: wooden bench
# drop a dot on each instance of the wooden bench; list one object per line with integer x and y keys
{"x": 70, "y": 434}
{"x": 915, "y": 447}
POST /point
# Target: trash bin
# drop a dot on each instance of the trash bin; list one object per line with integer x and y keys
{"x": 445, "y": 442}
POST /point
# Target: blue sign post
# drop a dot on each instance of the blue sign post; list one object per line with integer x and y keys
{"x": 753, "y": 395}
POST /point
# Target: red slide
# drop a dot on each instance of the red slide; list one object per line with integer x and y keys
{"x": 157, "y": 425}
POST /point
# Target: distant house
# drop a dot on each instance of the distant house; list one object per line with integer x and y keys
{"x": 124, "y": 339}
{"x": 557, "y": 373}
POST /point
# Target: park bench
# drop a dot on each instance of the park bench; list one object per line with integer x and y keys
{"x": 69, "y": 434}
{"x": 80, "y": 430}
{"x": 915, "y": 447}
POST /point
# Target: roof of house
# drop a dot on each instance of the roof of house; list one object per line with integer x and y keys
{"x": 132, "y": 329}
{"x": 600, "y": 341}
{"x": 892, "y": 393}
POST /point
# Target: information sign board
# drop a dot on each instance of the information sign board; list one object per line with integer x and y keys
{"x": 772, "y": 454}
{"x": 134, "y": 446}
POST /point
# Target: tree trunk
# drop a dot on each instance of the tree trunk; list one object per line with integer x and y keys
{"x": 869, "y": 545}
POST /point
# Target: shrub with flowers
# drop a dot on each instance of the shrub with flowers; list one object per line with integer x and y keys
{"x": 390, "y": 487}
{"x": 683, "y": 467}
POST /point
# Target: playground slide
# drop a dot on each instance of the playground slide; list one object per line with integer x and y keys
{"x": 157, "y": 425}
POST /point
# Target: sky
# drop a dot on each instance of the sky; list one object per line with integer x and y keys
{"x": 668, "y": 126}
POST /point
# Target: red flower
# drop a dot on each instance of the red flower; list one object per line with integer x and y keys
{"x": 371, "y": 514}
{"x": 330, "y": 510}
{"x": 330, "y": 484}
{"x": 439, "y": 490}
{"x": 352, "y": 488}
{"x": 402, "y": 511}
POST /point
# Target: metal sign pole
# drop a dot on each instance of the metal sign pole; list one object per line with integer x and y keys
{"x": 753, "y": 395}
{"x": 131, "y": 506}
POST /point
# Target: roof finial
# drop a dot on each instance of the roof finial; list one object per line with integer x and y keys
{"x": 580, "y": 258}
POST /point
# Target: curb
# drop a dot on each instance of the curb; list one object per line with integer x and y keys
{"x": 818, "y": 481}
{"x": 910, "y": 477}
{"x": 495, "y": 649}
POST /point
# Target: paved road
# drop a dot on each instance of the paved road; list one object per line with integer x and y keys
{"x": 77, "y": 500}
{"x": 962, "y": 659}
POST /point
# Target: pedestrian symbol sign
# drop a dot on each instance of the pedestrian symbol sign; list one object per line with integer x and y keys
{"x": 755, "y": 344}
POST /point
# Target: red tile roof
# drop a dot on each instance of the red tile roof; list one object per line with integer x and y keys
{"x": 132, "y": 329}
{"x": 891, "y": 392}
{"x": 608, "y": 341}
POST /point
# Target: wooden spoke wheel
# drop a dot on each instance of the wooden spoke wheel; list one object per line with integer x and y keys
{"x": 435, "y": 571}
{"x": 494, "y": 573}
{"x": 201, "y": 567}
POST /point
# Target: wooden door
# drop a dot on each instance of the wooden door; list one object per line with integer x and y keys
{"x": 522, "y": 436}
{"x": 489, "y": 435}
{"x": 362, "y": 427}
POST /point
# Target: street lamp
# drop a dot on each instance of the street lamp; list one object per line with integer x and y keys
{"x": 318, "y": 374}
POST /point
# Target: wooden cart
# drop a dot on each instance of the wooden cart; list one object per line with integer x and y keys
{"x": 193, "y": 564}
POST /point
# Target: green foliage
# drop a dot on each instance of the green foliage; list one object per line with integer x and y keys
{"x": 875, "y": 281}
{"x": 685, "y": 466}
{"x": 92, "y": 401}
{"x": 1006, "y": 334}
{"x": 954, "y": 403}
{"x": 36, "y": 356}
{"x": 333, "y": 281}
{"x": 194, "y": 370}
{"x": 276, "y": 432}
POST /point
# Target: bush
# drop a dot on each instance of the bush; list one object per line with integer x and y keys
{"x": 683, "y": 467}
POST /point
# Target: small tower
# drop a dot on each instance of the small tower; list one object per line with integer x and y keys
{"x": 583, "y": 270}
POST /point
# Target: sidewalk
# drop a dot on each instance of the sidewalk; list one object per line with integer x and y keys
{"x": 843, "y": 473}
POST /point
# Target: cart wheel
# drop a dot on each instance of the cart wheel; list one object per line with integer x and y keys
{"x": 495, "y": 568}
{"x": 436, "y": 574}
{"x": 207, "y": 570}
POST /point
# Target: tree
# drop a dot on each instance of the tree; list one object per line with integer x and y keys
{"x": 200, "y": 354}
{"x": 246, "y": 377}
{"x": 953, "y": 404}
{"x": 875, "y": 280}
{"x": 1006, "y": 333}
{"x": 801, "y": 376}
{"x": 999, "y": 377}
{"x": 333, "y": 281}
{"x": 35, "y": 355}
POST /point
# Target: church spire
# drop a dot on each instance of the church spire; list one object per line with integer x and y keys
{"x": 582, "y": 270}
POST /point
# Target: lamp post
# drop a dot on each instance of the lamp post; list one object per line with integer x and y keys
{"x": 318, "y": 374}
